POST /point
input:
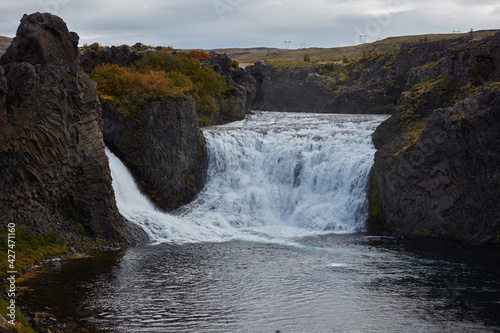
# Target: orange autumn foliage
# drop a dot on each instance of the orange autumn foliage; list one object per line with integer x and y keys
{"x": 128, "y": 87}
{"x": 199, "y": 55}
{"x": 167, "y": 75}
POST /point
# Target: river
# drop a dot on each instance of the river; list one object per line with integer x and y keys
{"x": 275, "y": 243}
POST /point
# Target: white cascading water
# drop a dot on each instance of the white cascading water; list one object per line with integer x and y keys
{"x": 272, "y": 176}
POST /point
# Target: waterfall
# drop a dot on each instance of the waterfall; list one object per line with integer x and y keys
{"x": 270, "y": 176}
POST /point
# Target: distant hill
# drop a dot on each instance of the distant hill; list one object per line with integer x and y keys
{"x": 251, "y": 55}
{"x": 4, "y": 44}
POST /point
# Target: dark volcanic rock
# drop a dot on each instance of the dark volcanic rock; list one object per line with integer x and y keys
{"x": 41, "y": 39}
{"x": 242, "y": 78}
{"x": 54, "y": 171}
{"x": 163, "y": 148}
{"x": 243, "y": 84}
{"x": 374, "y": 84}
{"x": 363, "y": 87}
{"x": 448, "y": 183}
{"x": 356, "y": 99}
{"x": 437, "y": 169}
{"x": 289, "y": 89}
{"x": 95, "y": 55}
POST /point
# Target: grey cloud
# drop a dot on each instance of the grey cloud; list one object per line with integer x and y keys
{"x": 246, "y": 23}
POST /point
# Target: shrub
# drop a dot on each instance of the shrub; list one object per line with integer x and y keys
{"x": 164, "y": 74}
{"x": 167, "y": 48}
{"x": 159, "y": 61}
{"x": 96, "y": 47}
{"x": 199, "y": 55}
{"x": 180, "y": 81}
{"x": 129, "y": 88}
{"x": 328, "y": 68}
{"x": 205, "y": 85}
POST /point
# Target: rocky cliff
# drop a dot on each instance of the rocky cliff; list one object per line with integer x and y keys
{"x": 54, "y": 172}
{"x": 95, "y": 55}
{"x": 361, "y": 86}
{"x": 232, "y": 106}
{"x": 374, "y": 83}
{"x": 244, "y": 84}
{"x": 163, "y": 148}
{"x": 289, "y": 89}
{"x": 437, "y": 169}
{"x": 159, "y": 140}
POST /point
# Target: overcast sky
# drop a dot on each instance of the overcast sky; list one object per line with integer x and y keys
{"x": 248, "y": 23}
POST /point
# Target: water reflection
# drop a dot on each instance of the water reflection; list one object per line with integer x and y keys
{"x": 330, "y": 283}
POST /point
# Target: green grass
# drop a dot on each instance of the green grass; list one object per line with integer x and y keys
{"x": 29, "y": 249}
{"x": 21, "y": 323}
{"x": 412, "y": 133}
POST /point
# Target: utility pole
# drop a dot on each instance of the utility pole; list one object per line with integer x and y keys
{"x": 302, "y": 45}
{"x": 362, "y": 38}
{"x": 287, "y": 43}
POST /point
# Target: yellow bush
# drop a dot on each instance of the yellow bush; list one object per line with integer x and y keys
{"x": 130, "y": 88}
{"x": 199, "y": 55}
{"x": 165, "y": 74}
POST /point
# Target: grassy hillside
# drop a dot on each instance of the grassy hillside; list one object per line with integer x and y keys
{"x": 4, "y": 44}
{"x": 251, "y": 55}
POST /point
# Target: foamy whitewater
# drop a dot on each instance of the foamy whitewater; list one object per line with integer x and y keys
{"x": 271, "y": 177}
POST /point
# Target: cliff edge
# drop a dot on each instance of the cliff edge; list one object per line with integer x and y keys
{"x": 55, "y": 177}
{"x": 437, "y": 168}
